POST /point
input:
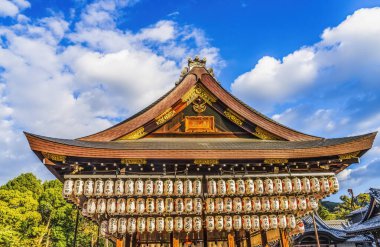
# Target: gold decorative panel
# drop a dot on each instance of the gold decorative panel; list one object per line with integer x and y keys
{"x": 199, "y": 124}
{"x": 206, "y": 161}
{"x": 165, "y": 116}
{"x": 263, "y": 134}
{"x": 198, "y": 91}
{"x": 133, "y": 161}
{"x": 54, "y": 157}
{"x": 233, "y": 117}
{"x": 134, "y": 135}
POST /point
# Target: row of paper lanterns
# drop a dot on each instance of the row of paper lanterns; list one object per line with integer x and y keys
{"x": 195, "y": 205}
{"x": 187, "y": 187}
{"x": 190, "y": 224}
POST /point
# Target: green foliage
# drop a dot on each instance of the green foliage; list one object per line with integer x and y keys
{"x": 33, "y": 213}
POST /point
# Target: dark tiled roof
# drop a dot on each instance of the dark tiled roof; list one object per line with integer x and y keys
{"x": 358, "y": 211}
{"x": 204, "y": 143}
{"x": 372, "y": 223}
{"x": 375, "y": 193}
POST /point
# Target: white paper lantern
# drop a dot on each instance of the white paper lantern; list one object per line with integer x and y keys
{"x": 178, "y": 187}
{"x": 274, "y": 204}
{"x": 291, "y": 221}
{"x": 148, "y": 187}
{"x": 160, "y": 224}
{"x": 237, "y": 205}
{"x": 131, "y": 205}
{"x": 256, "y": 204}
{"x": 237, "y": 222}
{"x": 247, "y": 225}
{"x": 300, "y": 227}
{"x": 197, "y": 224}
{"x": 259, "y": 186}
{"x": 219, "y": 222}
{"x": 281, "y": 221}
{"x": 247, "y": 204}
{"x": 296, "y": 185}
{"x": 211, "y": 187}
{"x": 249, "y": 186}
{"x": 139, "y": 187}
{"x": 315, "y": 187}
{"x": 99, "y": 187}
{"x": 91, "y": 206}
{"x": 150, "y": 224}
{"x": 188, "y": 187}
{"x": 158, "y": 187}
{"x": 141, "y": 225}
{"x": 210, "y": 223}
{"x": 168, "y": 187}
{"x": 292, "y": 203}
{"x": 268, "y": 186}
{"x": 108, "y": 187}
{"x": 219, "y": 204}
{"x": 277, "y": 186}
{"x": 197, "y": 205}
{"x": 334, "y": 184}
{"x": 222, "y": 187}
{"x": 240, "y": 187}
{"x": 228, "y": 225}
{"x": 265, "y": 204}
{"x": 284, "y": 203}
{"x": 160, "y": 205}
{"x": 273, "y": 223}
{"x": 119, "y": 187}
{"x": 121, "y": 206}
{"x": 169, "y": 224}
{"x": 104, "y": 228}
{"x": 179, "y": 207}
{"x": 301, "y": 203}
{"x": 178, "y": 224}
{"x": 131, "y": 226}
{"x": 306, "y": 187}
{"x": 129, "y": 187}
{"x": 101, "y": 206}
{"x": 111, "y": 206}
{"x": 88, "y": 187}
{"x": 312, "y": 202}
{"x": 78, "y": 187}
{"x": 68, "y": 187}
{"x": 231, "y": 187}
{"x": 228, "y": 205}
{"x": 150, "y": 203}
{"x": 255, "y": 221}
{"x": 197, "y": 187}
{"x": 264, "y": 222}
{"x": 122, "y": 225}
{"x": 140, "y": 205}
{"x": 324, "y": 182}
{"x": 287, "y": 185}
{"x": 210, "y": 205}
{"x": 169, "y": 205}
{"x": 112, "y": 225}
{"x": 187, "y": 224}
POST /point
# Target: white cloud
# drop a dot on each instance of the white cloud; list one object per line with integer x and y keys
{"x": 349, "y": 51}
{"x": 12, "y": 8}
{"x": 104, "y": 75}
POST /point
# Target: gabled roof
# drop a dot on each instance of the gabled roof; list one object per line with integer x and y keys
{"x": 198, "y": 75}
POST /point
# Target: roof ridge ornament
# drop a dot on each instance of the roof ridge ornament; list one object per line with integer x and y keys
{"x": 195, "y": 63}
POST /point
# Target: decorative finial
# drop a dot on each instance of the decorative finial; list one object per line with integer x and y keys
{"x": 196, "y": 62}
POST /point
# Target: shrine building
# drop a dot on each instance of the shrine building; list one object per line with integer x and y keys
{"x": 198, "y": 167}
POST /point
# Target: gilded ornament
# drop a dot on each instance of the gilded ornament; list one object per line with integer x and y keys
{"x": 134, "y": 135}
{"x": 165, "y": 116}
{"x": 199, "y": 105}
{"x": 263, "y": 134}
{"x": 54, "y": 157}
{"x": 275, "y": 161}
{"x": 349, "y": 155}
{"x": 198, "y": 91}
{"x": 133, "y": 161}
{"x": 233, "y": 117}
{"x": 206, "y": 161}
{"x": 77, "y": 169}
{"x": 196, "y": 62}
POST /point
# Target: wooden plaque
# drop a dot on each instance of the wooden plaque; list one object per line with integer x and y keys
{"x": 199, "y": 124}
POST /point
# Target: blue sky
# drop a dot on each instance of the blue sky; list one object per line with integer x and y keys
{"x": 71, "y": 68}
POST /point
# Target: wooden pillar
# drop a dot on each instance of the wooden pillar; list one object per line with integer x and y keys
{"x": 76, "y": 228}
{"x": 204, "y": 237}
{"x": 264, "y": 240}
{"x": 316, "y": 230}
{"x": 237, "y": 239}
{"x": 283, "y": 239}
{"x": 119, "y": 242}
{"x": 231, "y": 240}
{"x": 248, "y": 237}
{"x": 134, "y": 240}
